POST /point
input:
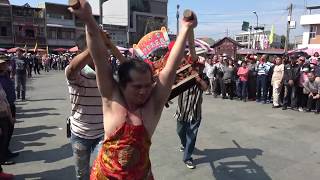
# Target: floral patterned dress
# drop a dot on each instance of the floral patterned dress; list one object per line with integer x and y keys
{"x": 124, "y": 155}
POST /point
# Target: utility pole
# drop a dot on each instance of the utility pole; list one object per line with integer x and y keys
{"x": 286, "y": 47}
{"x": 178, "y": 6}
{"x": 249, "y": 44}
{"x": 227, "y": 32}
{"x": 101, "y": 11}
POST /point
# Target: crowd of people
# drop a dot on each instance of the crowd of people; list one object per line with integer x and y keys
{"x": 15, "y": 68}
{"x": 284, "y": 81}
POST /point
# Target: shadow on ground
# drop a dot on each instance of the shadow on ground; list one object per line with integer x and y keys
{"x": 67, "y": 173}
{"x": 52, "y": 99}
{"x": 47, "y": 156}
{"x": 223, "y": 169}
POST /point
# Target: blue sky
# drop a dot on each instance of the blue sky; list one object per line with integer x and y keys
{"x": 218, "y": 17}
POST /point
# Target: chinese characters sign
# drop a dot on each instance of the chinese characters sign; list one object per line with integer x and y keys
{"x": 151, "y": 42}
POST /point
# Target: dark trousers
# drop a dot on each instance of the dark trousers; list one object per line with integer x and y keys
{"x": 269, "y": 90}
{"x": 301, "y": 98}
{"x": 290, "y": 98}
{"x": 36, "y": 68}
{"x": 30, "y": 71}
{"x": 218, "y": 85}
{"x": 252, "y": 87}
{"x": 21, "y": 85}
{"x": 243, "y": 89}
{"x": 228, "y": 88}
{"x": 4, "y": 125}
{"x": 262, "y": 87}
{"x": 187, "y": 132}
{"x": 312, "y": 102}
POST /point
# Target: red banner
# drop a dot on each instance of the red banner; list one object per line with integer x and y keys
{"x": 151, "y": 42}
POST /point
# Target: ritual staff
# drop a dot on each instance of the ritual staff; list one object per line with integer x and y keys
{"x": 132, "y": 106}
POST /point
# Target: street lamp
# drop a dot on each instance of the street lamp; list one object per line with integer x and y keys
{"x": 254, "y": 12}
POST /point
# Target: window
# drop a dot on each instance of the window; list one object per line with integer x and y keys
{"x": 313, "y": 31}
{"x": 245, "y": 39}
{"x": 239, "y": 38}
{"x": 29, "y": 33}
{"x": 3, "y": 31}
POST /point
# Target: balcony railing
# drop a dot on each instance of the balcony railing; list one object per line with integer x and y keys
{"x": 29, "y": 41}
{"x": 63, "y": 22}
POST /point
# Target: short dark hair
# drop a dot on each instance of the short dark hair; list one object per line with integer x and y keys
{"x": 132, "y": 64}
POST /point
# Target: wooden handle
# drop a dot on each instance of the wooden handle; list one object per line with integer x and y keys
{"x": 114, "y": 50}
{"x": 188, "y": 15}
{"x": 75, "y": 4}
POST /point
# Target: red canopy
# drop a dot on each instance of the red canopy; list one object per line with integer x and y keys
{"x": 60, "y": 50}
{"x": 74, "y": 49}
{"x": 13, "y": 50}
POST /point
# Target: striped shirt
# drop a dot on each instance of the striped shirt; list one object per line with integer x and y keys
{"x": 189, "y": 105}
{"x": 86, "y": 112}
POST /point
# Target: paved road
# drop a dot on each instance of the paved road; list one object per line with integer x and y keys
{"x": 236, "y": 141}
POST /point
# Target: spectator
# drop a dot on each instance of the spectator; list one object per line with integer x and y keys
{"x": 228, "y": 80}
{"x": 276, "y": 81}
{"x": 252, "y": 78}
{"x": 8, "y": 87}
{"x": 291, "y": 80}
{"x": 312, "y": 88}
{"x": 21, "y": 74}
{"x": 209, "y": 71}
{"x": 243, "y": 74}
{"x": 218, "y": 74}
{"x": 262, "y": 69}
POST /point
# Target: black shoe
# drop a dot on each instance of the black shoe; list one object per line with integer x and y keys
{"x": 189, "y": 164}
{"x": 284, "y": 108}
{"x": 8, "y": 162}
{"x": 275, "y": 106}
{"x": 308, "y": 110}
{"x": 12, "y": 155}
{"x": 317, "y": 112}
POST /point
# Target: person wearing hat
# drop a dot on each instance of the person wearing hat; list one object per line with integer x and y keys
{"x": 8, "y": 86}
{"x": 21, "y": 74}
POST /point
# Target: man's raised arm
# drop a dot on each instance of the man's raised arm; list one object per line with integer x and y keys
{"x": 168, "y": 74}
{"x": 98, "y": 50}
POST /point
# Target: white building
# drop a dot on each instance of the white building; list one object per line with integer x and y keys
{"x": 129, "y": 20}
{"x": 257, "y": 39}
{"x": 311, "y": 29}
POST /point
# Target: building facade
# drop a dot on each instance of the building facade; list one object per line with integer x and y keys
{"x": 258, "y": 39}
{"x": 60, "y": 25}
{"x": 129, "y": 20}
{"x": 6, "y": 37}
{"x": 28, "y": 26}
{"x": 311, "y": 29}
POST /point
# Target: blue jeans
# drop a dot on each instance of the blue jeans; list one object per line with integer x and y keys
{"x": 243, "y": 89}
{"x": 82, "y": 150}
{"x": 262, "y": 86}
{"x": 187, "y": 132}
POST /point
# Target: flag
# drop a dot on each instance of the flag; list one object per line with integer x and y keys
{"x": 271, "y": 37}
{"x": 47, "y": 50}
{"x": 25, "y": 46}
{"x": 35, "y": 47}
